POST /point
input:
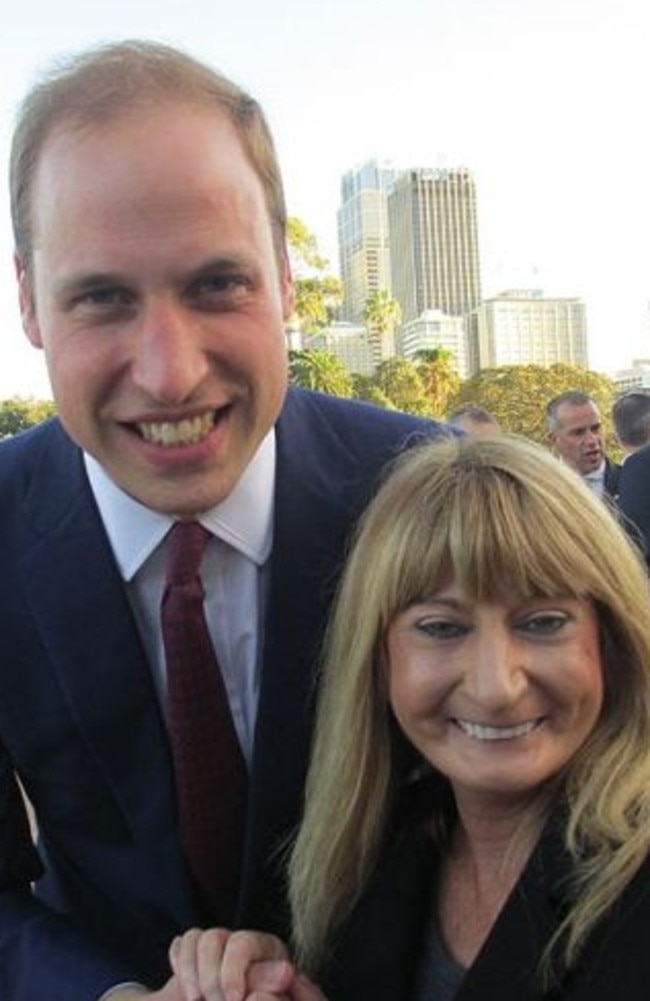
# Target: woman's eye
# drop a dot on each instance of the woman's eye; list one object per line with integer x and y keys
{"x": 544, "y": 623}
{"x": 442, "y": 629}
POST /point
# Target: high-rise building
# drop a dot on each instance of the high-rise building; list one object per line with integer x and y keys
{"x": 523, "y": 327}
{"x": 363, "y": 236}
{"x": 434, "y": 242}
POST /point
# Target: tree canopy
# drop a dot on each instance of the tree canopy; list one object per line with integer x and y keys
{"x": 19, "y": 413}
{"x": 318, "y": 292}
{"x": 314, "y": 368}
{"x": 516, "y": 395}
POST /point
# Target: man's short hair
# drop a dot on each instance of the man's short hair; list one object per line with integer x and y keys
{"x": 572, "y": 397}
{"x": 104, "y": 83}
{"x": 475, "y": 413}
{"x": 631, "y": 417}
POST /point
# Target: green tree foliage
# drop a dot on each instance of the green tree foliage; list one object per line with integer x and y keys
{"x": 400, "y": 382}
{"x": 317, "y": 369}
{"x": 18, "y": 414}
{"x": 303, "y": 247}
{"x": 517, "y": 394}
{"x": 437, "y": 369}
{"x": 318, "y": 293}
{"x": 365, "y": 388}
{"x": 317, "y": 300}
{"x": 382, "y": 313}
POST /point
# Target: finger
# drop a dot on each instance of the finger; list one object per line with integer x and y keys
{"x": 274, "y": 976}
{"x": 266, "y": 996}
{"x": 243, "y": 949}
{"x": 210, "y": 951}
{"x": 184, "y": 960}
{"x": 302, "y": 989}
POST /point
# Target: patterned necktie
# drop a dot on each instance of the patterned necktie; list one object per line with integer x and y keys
{"x": 211, "y": 779}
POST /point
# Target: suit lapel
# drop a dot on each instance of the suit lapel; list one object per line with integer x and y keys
{"x": 81, "y": 612}
{"x": 312, "y": 520}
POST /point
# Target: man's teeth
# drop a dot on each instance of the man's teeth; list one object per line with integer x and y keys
{"x": 186, "y": 432}
{"x": 482, "y": 732}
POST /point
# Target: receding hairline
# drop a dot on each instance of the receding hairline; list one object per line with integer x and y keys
{"x": 570, "y": 398}
{"x": 84, "y": 90}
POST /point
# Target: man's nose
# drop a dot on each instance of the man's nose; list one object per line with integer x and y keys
{"x": 169, "y": 360}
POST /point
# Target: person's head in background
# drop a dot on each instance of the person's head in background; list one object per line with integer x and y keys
{"x": 149, "y": 223}
{"x": 631, "y": 418}
{"x": 479, "y": 524}
{"x": 575, "y": 431}
{"x": 474, "y": 420}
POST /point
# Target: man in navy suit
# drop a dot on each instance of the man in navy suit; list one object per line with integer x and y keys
{"x": 150, "y": 255}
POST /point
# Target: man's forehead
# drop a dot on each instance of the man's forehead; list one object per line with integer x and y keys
{"x": 578, "y": 417}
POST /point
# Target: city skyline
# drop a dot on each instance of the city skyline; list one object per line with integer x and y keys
{"x": 543, "y": 101}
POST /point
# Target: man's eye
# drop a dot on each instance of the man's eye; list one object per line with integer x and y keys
{"x": 543, "y": 623}
{"x": 102, "y": 298}
{"x": 220, "y": 285}
{"x": 442, "y": 629}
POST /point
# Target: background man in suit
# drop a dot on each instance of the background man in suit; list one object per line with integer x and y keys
{"x": 575, "y": 432}
{"x": 631, "y": 417}
{"x": 149, "y": 223}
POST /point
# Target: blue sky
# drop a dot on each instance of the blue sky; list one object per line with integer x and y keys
{"x": 546, "y": 100}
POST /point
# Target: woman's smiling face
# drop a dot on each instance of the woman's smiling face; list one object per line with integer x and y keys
{"x": 497, "y": 696}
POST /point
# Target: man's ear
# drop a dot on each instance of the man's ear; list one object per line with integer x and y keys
{"x": 26, "y": 303}
{"x": 287, "y": 287}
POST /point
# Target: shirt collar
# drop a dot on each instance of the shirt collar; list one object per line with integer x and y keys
{"x": 596, "y": 475}
{"x": 244, "y": 519}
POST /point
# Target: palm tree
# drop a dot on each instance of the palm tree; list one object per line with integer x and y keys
{"x": 382, "y": 316}
{"x": 315, "y": 368}
{"x": 437, "y": 369}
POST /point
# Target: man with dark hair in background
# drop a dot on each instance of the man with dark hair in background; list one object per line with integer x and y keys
{"x": 631, "y": 417}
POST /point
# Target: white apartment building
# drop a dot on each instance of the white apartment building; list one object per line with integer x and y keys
{"x": 525, "y": 327}
{"x": 636, "y": 377}
{"x": 434, "y": 329}
{"x": 348, "y": 342}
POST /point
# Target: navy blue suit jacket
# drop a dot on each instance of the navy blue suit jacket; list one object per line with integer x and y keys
{"x": 634, "y": 495}
{"x": 81, "y": 726}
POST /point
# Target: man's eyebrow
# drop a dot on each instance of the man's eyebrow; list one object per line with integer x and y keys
{"x": 86, "y": 282}
{"x": 233, "y": 262}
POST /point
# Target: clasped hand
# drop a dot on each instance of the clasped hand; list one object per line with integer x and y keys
{"x": 219, "y": 965}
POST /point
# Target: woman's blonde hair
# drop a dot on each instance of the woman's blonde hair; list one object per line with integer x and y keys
{"x": 495, "y": 515}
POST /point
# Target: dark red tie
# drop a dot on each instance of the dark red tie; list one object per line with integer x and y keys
{"x": 210, "y": 770}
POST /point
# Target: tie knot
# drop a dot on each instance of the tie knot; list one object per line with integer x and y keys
{"x": 186, "y": 544}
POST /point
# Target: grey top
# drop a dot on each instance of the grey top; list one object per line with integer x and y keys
{"x": 439, "y": 976}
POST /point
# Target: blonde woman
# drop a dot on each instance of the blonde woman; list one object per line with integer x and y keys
{"x": 477, "y": 821}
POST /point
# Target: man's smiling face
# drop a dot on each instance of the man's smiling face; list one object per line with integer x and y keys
{"x": 159, "y": 295}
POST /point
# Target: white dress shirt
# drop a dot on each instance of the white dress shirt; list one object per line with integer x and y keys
{"x": 596, "y": 480}
{"x": 234, "y": 574}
